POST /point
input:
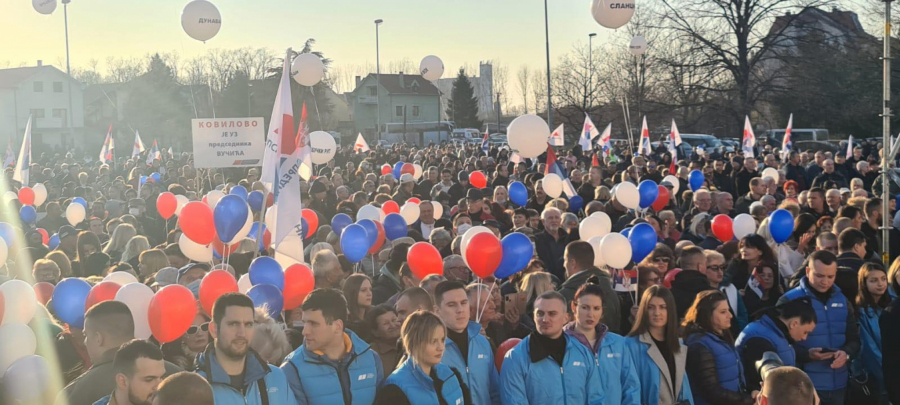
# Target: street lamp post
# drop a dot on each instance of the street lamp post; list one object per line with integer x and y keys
{"x": 889, "y": 151}
{"x": 378, "y": 79}
{"x": 70, "y": 115}
{"x": 547, "y": 36}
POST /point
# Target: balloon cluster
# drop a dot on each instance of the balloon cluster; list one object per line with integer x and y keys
{"x": 212, "y": 227}
{"x": 482, "y": 251}
{"x": 23, "y": 374}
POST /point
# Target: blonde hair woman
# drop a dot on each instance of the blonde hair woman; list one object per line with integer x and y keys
{"x": 120, "y": 237}
{"x": 150, "y": 262}
{"x": 269, "y": 339}
{"x": 134, "y": 248}
{"x": 65, "y": 265}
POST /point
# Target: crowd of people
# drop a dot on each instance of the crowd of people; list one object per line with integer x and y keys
{"x": 565, "y": 330}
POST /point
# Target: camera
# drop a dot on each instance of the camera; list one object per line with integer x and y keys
{"x": 769, "y": 362}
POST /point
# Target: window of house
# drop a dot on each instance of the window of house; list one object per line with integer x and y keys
{"x": 415, "y": 111}
{"x": 399, "y": 110}
{"x": 57, "y": 87}
{"x": 37, "y": 112}
{"x": 373, "y": 91}
{"x": 38, "y": 87}
{"x": 60, "y": 113}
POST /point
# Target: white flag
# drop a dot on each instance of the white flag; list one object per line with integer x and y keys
{"x": 644, "y": 145}
{"x": 106, "y": 152}
{"x": 588, "y": 133}
{"x": 361, "y": 144}
{"x": 557, "y": 137}
{"x": 23, "y": 164}
{"x": 138, "y": 145}
{"x": 282, "y": 117}
{"x": 850, "y": 147}
{"x": 749, "y": 139}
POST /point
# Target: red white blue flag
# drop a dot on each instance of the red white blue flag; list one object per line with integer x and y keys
{"x": 786, "y": 144}
{"x": 749, "y": 139}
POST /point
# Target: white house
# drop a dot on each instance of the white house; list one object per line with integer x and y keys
{"x": 49, "y": 95}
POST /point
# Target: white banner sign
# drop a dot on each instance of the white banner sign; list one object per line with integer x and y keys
{"x": 228, "y": 142}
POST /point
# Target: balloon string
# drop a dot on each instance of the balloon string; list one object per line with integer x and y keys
{"x": 490, "y": 290}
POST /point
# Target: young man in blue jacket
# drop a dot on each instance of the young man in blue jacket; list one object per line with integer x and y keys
{"x": 467, "y": 350}
{"x": 548, "y": 366}
{"x": 333, "y": 366}
{"x": 237, "y": 374}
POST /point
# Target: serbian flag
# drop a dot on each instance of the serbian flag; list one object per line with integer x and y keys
{"x": 557, "y": 136}
{"x": 138, "y": 145}
{"x": 674, "y": 142}
{"x": 644, "y": 145}
{"x": 154, "y": 154}
{"x": 23, "y": 163}
{"x": 786, "y": 144}
{"x": 749, "y": 140}
{"x": 588, "y": 133}
{"x": 553, "y": 166}
{"x": 10, "y": 155}
{"x": 484, "y": 143}
{"x": 361, "y": 144}
{"x": 106, "y": 152}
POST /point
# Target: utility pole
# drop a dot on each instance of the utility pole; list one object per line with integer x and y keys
{"x": 498, "y": 111}
{"x": 378, "y": 80}
{"x": 547, "y": 36}
{"x": 889, "y": 151}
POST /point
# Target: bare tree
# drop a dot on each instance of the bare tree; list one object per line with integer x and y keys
{"x": 575, "y": 91}
{"x": 539, "y": 91}
{"x": 500, "y": 76}
{"x": 523, "y": 80}
{"x": 123, "y": 70}
{"x": 404, "y": 65}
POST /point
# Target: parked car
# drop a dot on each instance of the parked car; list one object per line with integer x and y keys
{"x": 466, "y": 135}
{"x": 497, "y": 139}
{"x": 816, "y": 139}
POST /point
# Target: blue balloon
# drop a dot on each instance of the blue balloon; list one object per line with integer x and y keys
{"x": 80, "y": 201}
{"x": 781, "y": 225}
{"x": 53, "y": 243}
{"x": 26, "y": 379}
{"x": 518, "y": 194}
{"x": 696, "y": 180}
{"x": 230, "y": 216}
{"x": 396, "y": 172}
{"x": 625, "y": 232}
{"x": 517, "y": 253}
{"x": 265, "y": 270}
{"x": 254, "y": 231}
{"x": 239, "y": 191}
{"x": 648, "y": 191}
{"x": 255, "y": 199}
{"x": 268, "y": 296}
{"x": 339, "y": 222}
{"x": 371, "y": 231}
{"x": 8, "y": 233}
{"x": 28, "y": 214}
{"x": 395, "y": 226}
{"x": 643, "y": 239}
{"x": 143, "y": 180}
{"x": 575, "y": 203}
{"x": 155, "y": 176}
{"x": 68, "y": 300}
{"x": 354, "y": 242}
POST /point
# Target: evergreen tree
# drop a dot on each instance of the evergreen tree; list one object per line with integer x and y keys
{"x": 235, "y": 98}
{"x": 463, "y": 105}
{"x": 158, "y": 108}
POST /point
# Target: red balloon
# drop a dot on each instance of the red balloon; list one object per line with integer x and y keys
{"x": 670, "y": 275}
{"x": 26, "y": 196}
{"x": 104, "y": 291}
{"x": 407, "y": 168}
{"x": 483, "y": 254}
{"x": 414, "y": 200}
{"x": 390, "y": 207}
{"x": 298, "y": 282}
{"x": 44, "y": 292}
{"x": 166, "y": 204}
{"x": 502, "y": 349}
{"x": 477, "y": 179}
{"x": 270, "y": 200}
{"x": 214, "y": 285}
{"x": 312, "y": 219}
{"x": 387, "y": 169}
{"x": 424, "y": 259}
{"x": 45, "y": 237}
{"x": 172, "y": 311}
{"x": 379, "y": 242}
{"x": 722, "y": 227}
{"x": 662, "y": 200}
{"x": 267, "y": 238}
{"x": 196, "y": 221}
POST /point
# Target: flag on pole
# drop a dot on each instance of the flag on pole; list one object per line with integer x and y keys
{"x": 588, "y": 133}
{"x": 603, "y": 142}
{"x": 106, "y": 152}
{"x": 361, "y": 144}
{"x": 849, "y": 147}
{"x": 786, "y": 144}
{"x": 23, "y": 163}
{"x": 10, "y": 155}
{"x": 749, "y": 140}
{"x": 674, "y": 143}
{"x": 303, "y": 149}
{"x": 138, "y": 145}
{"x": 553, "y": 166}
{"x": 280, "y": 123}
{"x": 485, "y": 146}
{"x": 154, "y": 153}
{"x": 171, "y": 153}
{"x": 644, "y": 145}
{"x": 557, "y": 137}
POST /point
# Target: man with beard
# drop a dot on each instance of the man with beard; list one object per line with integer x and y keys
{"x": 236, "y": 372}
{"x": 139, "y": 369}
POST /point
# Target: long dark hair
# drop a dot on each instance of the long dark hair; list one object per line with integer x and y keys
{"x": 642, "y": 319}
{"x": 698, "y": 318}
{"x": 759, "y": 243}
{"x": 802, "y": 224}
{"x": 351, "y": 291}
{"x": 865, "y": 298}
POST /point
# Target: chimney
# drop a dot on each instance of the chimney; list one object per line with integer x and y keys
{"x": 402, "y": 85}
{"x": 40, "y": 63}
{"x": 358, "y": 79}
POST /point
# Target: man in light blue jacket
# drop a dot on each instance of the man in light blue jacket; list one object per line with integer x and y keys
{"x": 467, "y": 350}
{"x": 548, "y": 366}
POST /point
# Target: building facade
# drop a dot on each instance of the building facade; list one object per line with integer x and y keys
{"x": 406, "y": 104}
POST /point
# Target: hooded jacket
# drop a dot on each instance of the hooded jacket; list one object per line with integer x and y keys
{"x": 260, "y": 379}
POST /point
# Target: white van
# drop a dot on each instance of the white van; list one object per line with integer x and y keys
{"x": 466, "y": 135}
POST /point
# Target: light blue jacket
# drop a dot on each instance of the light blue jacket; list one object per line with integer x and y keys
{"x": 419, "y": 387}
{"x": 621, "y": 385}
{"x": 575, "y": 382}
{"x": 258, "y": 377}
{"x": 869, "y": 359}
{"x": 103, "y": 401}
{"x": 479, "y": 372}
{"x": 654, "y": 373}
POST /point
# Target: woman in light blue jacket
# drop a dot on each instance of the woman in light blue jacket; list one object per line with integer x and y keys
{"x": 873, "y": 298}
{"x": 658, "y": 355}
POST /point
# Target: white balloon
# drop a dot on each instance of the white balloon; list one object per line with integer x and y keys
{"x": 21, "y": 302}
{"x": 45, "y": 7}
{"x": 743, "y": 225}
{"x": 528, "y": 135}
{"x": 9, "y": 196}
{"x": 181, "y": 201}
{"x": 638, "y": 45}
{"x": 470, "y": 233}
{"x": 271, "y": 214}
{"x": 675, "y": 183}
{"x": 552, "y": 185}
{"x": 245, "y": 230}
{"x": 438, "y": 209}
{"x": 195, "y": 251}
{"x": 40, "y": 194}
{"x": 616, "y": 250}
{"x": 137, "y": 297}
{"x": 121, "y": 278}
{"x": 323, "y": 147}
{"x": 212, "y": 198}
{"x": 4, "y": 252}
{"x": 201, "y": 20}
{"x": 627, "y": 195}
{"x": 596, "y": 225}
{"x": 417, "y": 171}
{"x": 410, "y": 212}
{"x": 598, "y": 255}
{"x": 75, "y": 213}
{"x": 612, "y": 13}
{"x": 308, "y": 69}
{"x": 244, "y": 282}
{"x": 18, "y": 341}
{"x": 770, "y": 172}
{"x": 370, "y": 211}
{"x": 431, "y": 68}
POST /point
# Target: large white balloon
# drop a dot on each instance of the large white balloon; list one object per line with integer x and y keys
{"x": 438, "y": 209}
{"x": 121, "y": 278}
{"x": 596, "y": 225}
{"x": 245, "y": 230}
{"x": 18, "y": 341}
{"x": 417, "y": 171}
{"x": 769, "y": 172}
{"x": 201, "y": 20}
{"x": 75, "y": 213}
{"x": 195, "y": 251}
{"x": 40, "y": 194}
{"x": 271, "y": 214}
{"x": 552, "y": 185}
{"x": 431, "y": 68}
{"x": 528, "y": 135}
{"x": 44, "y": 7}
{"x": 598, "y": 255}
{"x": 181, "y": 201}
{"x": 743, "y": 225}
{"x": 370, "y": 211}
{"x": 627, "y": 195}
{"x": 137, "y": 297}
{"x": 675, "y": 183}
{"x": 323, "y": 147}
{"x": 638, "y": 45}
{"x": 308, "y": 69}
{"x": 616, "y": 250}
{"x": 410, "y": 212}
{"x": 612, "y": 13}
{"x": 9, "y": 196}
{"x": 21, "y": 302}
{"x": 212, "y": 198}
{"x": 470, "y": 233}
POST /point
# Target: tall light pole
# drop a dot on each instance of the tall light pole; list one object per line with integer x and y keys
{"x": 378, "y": 79}
{"x": 70, "y": 115}
{"x": 547, "y": 36}
{"x": 889, "y": 151}
{"x": 590, "y": 66}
